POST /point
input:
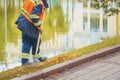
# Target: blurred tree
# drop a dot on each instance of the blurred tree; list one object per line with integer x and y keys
{"x": 110, "y": 7}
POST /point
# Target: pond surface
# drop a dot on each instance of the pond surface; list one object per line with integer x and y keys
{"x": 68, "y": 25}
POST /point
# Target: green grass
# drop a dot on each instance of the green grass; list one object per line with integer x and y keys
{"x": 18, "y": 71}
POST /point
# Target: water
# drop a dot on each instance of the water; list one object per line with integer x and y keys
{"x": 68, "y": 25}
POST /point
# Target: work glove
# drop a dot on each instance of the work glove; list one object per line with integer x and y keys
{"x": 40, "y": 29}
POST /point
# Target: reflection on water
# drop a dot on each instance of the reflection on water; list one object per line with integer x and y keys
{"x": 68, "y": 25}
{"x": 2, "y": 32}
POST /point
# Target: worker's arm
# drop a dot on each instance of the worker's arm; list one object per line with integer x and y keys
{"x": 35, "y": 17}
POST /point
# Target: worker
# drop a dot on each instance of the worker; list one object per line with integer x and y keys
{"x": 30, "y": 23}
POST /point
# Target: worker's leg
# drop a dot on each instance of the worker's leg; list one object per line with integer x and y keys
{"x": 25, "y": 48}
{"x": 36, "y": 56}
{"x": 34, "y": 46}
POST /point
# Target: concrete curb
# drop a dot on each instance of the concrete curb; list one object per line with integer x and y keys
{"x": 69, "y": 64}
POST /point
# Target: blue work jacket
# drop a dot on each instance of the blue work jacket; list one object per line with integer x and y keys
{"x": 28, "y": 28}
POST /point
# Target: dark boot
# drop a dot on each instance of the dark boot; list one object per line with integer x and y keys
{"x": 26, "y": 62}
{"x": 42, "y": 59}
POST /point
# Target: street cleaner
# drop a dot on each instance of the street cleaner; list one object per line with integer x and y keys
{"x": 30, "y": 24}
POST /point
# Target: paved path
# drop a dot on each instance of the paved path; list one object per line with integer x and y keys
{"x": 107, "y": 68}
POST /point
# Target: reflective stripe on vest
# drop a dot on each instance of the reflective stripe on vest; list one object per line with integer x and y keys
{"x": 27, "y": 10}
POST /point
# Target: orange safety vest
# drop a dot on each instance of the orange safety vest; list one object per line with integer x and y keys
{"x": 28, "y": 7}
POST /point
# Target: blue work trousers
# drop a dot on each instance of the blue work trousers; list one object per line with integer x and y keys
{"x": 27, "y": 43}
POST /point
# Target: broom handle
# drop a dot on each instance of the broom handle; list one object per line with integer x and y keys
{"x": 38, "y": 42}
